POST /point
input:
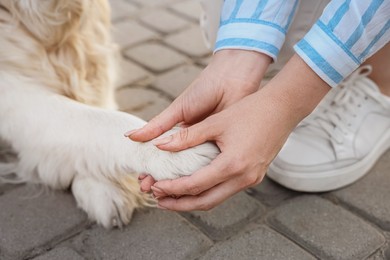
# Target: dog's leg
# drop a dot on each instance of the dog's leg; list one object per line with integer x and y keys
{"x": 59, "y": 140}
{"x": 106, "y": 203}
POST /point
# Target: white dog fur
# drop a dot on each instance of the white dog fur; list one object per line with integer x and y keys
{"x": 57, "y": 72}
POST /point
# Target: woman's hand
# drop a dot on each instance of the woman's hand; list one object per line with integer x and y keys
{"x": 230, "y": 76}
{"x": 249, "y": 134}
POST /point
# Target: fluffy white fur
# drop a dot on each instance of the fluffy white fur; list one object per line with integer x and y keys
{"x": 57, "y": 71}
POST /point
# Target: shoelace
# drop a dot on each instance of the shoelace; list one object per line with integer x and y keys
{"x": 334, "y": 118}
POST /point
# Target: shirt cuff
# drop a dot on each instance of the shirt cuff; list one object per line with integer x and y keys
{"x": 324, "y": 52}
{"x": 255, "y": 35}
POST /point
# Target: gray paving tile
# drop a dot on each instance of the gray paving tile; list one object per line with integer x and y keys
{"x": 387, "y": 253}
{"x": 379, "y": 255}
{"x": 155, "y": 57}
{"x": 122, "y": 9}
{"x": 204, "y": 61}
{"x": 190, "y": 9}
{"x": 258, "y": 243}
{"x": 153, "y": 234}
{"x": 153, "y": 3}
{"x": 130, "y": 73}
{"x": 60, "y": 253}
{"x": 29, "y": 220}
{"x": 163, "y": 21}
{"x": 7, "y": 187}
{"x": 129, "y": 32}
{"x": 229, "y": 217}
{"x": 144, "y": 103}
{"x": 189, "y": 41}
{"x": 371, "y": 196}
{"x": 327, "y": 230}
{"x": 270, "y": 193}
{"x": 175, "y": 81}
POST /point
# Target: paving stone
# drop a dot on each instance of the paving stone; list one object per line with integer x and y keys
{"x": 190, "y": 9}
{"x": 4, "y": 187}
{"x": 153, "y": 234}
{"x": 271, "y": 193}
{"x": 122, "y": 9}
{"x": 258, "y": 243}
{"x": 189, "y": 41}
{"x": 153, "y": 3}
{"x": 155, "y": 57}
{"x": 143, "y": 103}
{"x": 163, "y": 21}
{"x": 325, "y": 229}
{"x": 387, "y": 253}
{"x": 60, "y": 253}
{"x": 130, "y": 73}
{"x": 29, "y": 220}
{"x": 379, "y": 255}
{"x": 370, "y": 196}
{"x": 176, "y": 80}
{"x": 204, "y": 61}
{"x": 129, "y": 32}
{"x": 229, "y": 217}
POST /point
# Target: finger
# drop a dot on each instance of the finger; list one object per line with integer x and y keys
{"x": 147, "y": 183}
{"x": 158, "y": 125}
{"x": 158, "y": 193}
{"x": 207, "y": 200}
{"x": 202, "y": 180}
{"x": 212, "y": 197}
{"x": 142, "y": 176}
{"x": 188, "y": 137}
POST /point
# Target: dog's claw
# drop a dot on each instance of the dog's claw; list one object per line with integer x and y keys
{"x": 116, "y": 222}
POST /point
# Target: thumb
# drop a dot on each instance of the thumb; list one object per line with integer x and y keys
{"x": 186, "y": 137}
{"x": 158, "y": 125}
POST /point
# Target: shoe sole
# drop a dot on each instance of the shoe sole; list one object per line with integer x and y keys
{"x": 329, "y": 180}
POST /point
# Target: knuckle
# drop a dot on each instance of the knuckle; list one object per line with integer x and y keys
{"x": 194, "y": 190}
{"x": 184, "y": 134}
{"x": 251, "y": 179}
{"x": 235, "y": 166}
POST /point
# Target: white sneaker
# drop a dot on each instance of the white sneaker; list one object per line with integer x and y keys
{"x": 340, "y": 141}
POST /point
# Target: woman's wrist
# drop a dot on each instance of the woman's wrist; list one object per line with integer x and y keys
{"x": 296, "y": 89}
{"x": 244, "y": 65}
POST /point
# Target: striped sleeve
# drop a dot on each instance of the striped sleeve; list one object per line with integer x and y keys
{"x": 259, "y": 25}
{"x": 347, "y": 33}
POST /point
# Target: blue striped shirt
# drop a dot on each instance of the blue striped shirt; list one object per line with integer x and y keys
{"x": 346, "y": 34}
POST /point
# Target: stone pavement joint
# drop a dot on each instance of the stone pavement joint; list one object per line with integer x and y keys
{"x": 60, "y": 253}
{"x": 155, "y": 57}
{"x": 175, "y": 81}
{"x": 152, "y": 234}
{"x": 270, "y": 193}
{"x": 325, "y": 229}
{"x": 370, "y": 197}
{"x": 30, "y": 219}
{"x": 228, "y": 218}
{"x": 259, "y": 243}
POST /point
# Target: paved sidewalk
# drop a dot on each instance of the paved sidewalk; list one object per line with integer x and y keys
{"x": 163, "y": 52}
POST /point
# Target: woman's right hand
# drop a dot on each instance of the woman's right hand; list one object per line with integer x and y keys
{"x": 230, "y": 76}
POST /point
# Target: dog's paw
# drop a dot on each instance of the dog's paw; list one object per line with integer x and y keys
{"x": 109, "y": 203}
{"x": 171, "y": 165}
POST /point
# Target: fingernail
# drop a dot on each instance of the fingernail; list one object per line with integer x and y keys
{"x": 128, "y": 133}
{"x": 142, "y": 176}
{"x": 162, "y": 140}
{"x": 157, "y": 190}
{"x": 161, "y": 207}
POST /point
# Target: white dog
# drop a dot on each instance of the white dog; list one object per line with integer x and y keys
{"x": 57, "y": 71}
